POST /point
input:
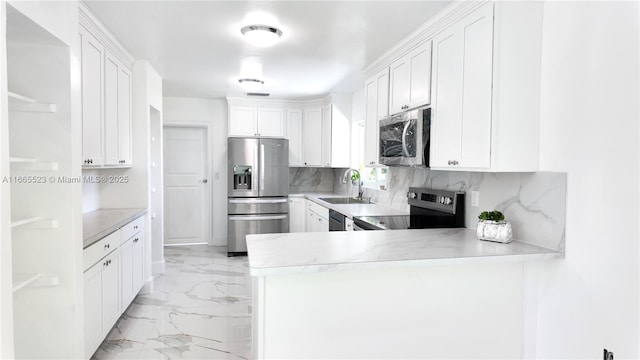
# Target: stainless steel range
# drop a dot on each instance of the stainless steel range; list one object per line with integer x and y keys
{"x": 258, "y": 189}
{"x": 429, "y": 208}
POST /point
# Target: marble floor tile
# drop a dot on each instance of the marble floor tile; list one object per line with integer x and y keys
{"x": 199, "y": 309}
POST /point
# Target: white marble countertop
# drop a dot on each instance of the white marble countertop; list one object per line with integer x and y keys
{"x": 276, "y": 254}
{"x": 102, "y": 222}
{"x": 350, "y": 210}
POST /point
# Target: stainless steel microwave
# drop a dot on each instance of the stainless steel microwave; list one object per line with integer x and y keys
{"x": 404, "y": 138}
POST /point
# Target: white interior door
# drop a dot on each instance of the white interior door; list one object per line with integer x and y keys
{"x": 186, "y": 200}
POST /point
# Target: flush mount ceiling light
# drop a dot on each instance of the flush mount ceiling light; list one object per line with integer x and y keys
{"x": 261, "y": 35}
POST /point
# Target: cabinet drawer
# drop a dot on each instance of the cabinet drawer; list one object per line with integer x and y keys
{"x": 97, "y": 251}
{"x": 132, "y": 228}
{"x": 322, "y": 211}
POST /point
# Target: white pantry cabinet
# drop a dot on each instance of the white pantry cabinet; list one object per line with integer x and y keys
{"x": 486, "y": 90}
{"x": 256, "y": 121}
{"x": 294, "y": 134}
{"x": 376, "y": 108}
{"x": 106, "y": 106}
{"x": 410, "y": 80}
{"x": 336, "y": 132}
{"x": 297, "y": 214}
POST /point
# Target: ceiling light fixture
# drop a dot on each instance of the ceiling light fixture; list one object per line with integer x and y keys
{"x": 261, "y": 35}
{"x": 251, "y": 84}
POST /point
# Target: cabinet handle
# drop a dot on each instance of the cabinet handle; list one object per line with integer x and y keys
{"x": 135, "y": 227}
{"x": 135, "y": 240}
{"x": 106, "y": 246}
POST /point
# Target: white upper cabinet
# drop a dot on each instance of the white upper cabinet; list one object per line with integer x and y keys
{"x": 486, "y": 90}
{"x": 336, "y": 133}
{"x": 326, "y": 135}
{"x": 256, "y": 121}
{"x": 92, "y": 53}
{"x": 271, "y": 122}
{"x": 410, "y": 80}
{"x": 376, "y": 107}
{"x": 312, "y": 135}
{"x": 243, "y": 121}
{"x": 295, "y": 136}
{"x": 106, "y": 106}
{"x": 117, "y": 110}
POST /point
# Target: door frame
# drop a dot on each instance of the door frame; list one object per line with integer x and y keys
{"x": 208, "y": 168}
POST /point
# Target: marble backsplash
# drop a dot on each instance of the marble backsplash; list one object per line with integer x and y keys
{"x": 316, "y": 180}
{"x": 534, "y": 203}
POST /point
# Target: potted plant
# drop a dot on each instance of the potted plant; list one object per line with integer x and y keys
{"x": 493, "y": 227}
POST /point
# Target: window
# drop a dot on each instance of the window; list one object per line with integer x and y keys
{"x": 372, "y": 177}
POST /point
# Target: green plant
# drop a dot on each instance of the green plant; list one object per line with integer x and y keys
{"x": 494, "y": 215}
{"x": 355, "y": 176}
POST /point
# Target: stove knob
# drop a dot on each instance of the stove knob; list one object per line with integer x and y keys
{"x": 412, "y": 195}
{"x": 447, "y": 201}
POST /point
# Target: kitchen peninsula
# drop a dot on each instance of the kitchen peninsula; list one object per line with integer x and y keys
{"x": 431, "y": 293}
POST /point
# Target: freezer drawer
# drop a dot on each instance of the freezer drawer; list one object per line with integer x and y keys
{"x": 241, "y": 225}
{"x": 239, "y": 206}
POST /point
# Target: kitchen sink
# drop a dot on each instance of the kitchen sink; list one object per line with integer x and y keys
{"x": 345, "y": 200}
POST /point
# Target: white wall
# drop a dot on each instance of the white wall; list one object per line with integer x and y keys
{"x": 214, "y": 113}
{"x": 589, "y": 128}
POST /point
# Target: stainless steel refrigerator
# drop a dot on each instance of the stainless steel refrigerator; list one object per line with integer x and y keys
{"x": 258, "y": 190}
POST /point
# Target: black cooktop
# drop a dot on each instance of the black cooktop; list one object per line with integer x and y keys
{"x": 399, "y": 222}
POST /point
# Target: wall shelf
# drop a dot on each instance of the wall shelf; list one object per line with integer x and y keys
{"x": 36, "y": 222}
{"x": 30, "y": 164}
{"x": 20, "y": 281}
{"x": 21, "y": 103}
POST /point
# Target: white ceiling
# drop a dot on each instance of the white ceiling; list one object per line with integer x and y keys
{"x": 197, "y": 47}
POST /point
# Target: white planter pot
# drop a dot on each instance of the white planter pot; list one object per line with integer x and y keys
{"x": 498, "y": 231}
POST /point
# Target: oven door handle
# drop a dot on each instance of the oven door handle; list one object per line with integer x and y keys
{"x": 405, "y": 150}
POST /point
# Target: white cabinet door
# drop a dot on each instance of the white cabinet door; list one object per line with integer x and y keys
{"x": 138, "y": 263}
{"x": 420, "y": 80}
{"x": 326, "y": 136}
{"x": 294, "y": 122}
{"x": 446, "y": 115}
{"x": 111, "y": 110}
{"x": 92, "y": 53}
{"x": 243, "y": 121}
{"x": 297, "y": 215}
{"x": 117, "y": 112}
{"x": 399, "y": 74}
{"x": 376, "y": 108}
{"x": 92, "y": 308}
{"x": 312, "y": 128}
{"x": 477, "y": 36}
{"x": 125, "y": 153}
{"x": 410, "y": 80}
{"x": 461, "y": 115}
{"x": 110, "y": 290}
{"x": 271, "y": 122}
{"x": 348, "y": 224}
{"x": 323, "y": 225}
{"x": 126, "y": 274}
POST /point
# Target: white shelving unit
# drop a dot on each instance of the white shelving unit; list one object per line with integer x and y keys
{"x": 31, "y": 164}
{"x": 23, "y": 103}
{"x": 21, "y": 281}
{"x": 36, "y": 222}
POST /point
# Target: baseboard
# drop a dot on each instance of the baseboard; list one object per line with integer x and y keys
{"x": 219, "y": 241}
{"x": 147, "y": 287}
{"x": 158, "y": 267}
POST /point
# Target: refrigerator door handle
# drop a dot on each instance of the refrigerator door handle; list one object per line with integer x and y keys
{"x": 256, "y": 217}
{"x": 262, "y": 170}
{"x": 257, "y": 201}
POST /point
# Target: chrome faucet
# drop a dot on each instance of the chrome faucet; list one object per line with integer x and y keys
{"x": 345, "y": 177}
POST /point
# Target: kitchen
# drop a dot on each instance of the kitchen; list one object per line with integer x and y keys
{"x": 587, "y": 56}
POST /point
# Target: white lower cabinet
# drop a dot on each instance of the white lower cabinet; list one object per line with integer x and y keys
{"x": 297, "y": 218}
{"x": 348, "y": 224}
{"x": 111, "y": 283}
{"x": 317, "y": 217}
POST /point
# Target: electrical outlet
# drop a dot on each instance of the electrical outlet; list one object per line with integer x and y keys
{"x": 608, "y": 355}
{"x": 475, "y": 198}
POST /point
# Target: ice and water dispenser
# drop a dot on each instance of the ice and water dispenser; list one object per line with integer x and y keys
{"x": 241, "y": 177}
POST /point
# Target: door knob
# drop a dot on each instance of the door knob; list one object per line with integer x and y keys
{"x": 205, "y": 181}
